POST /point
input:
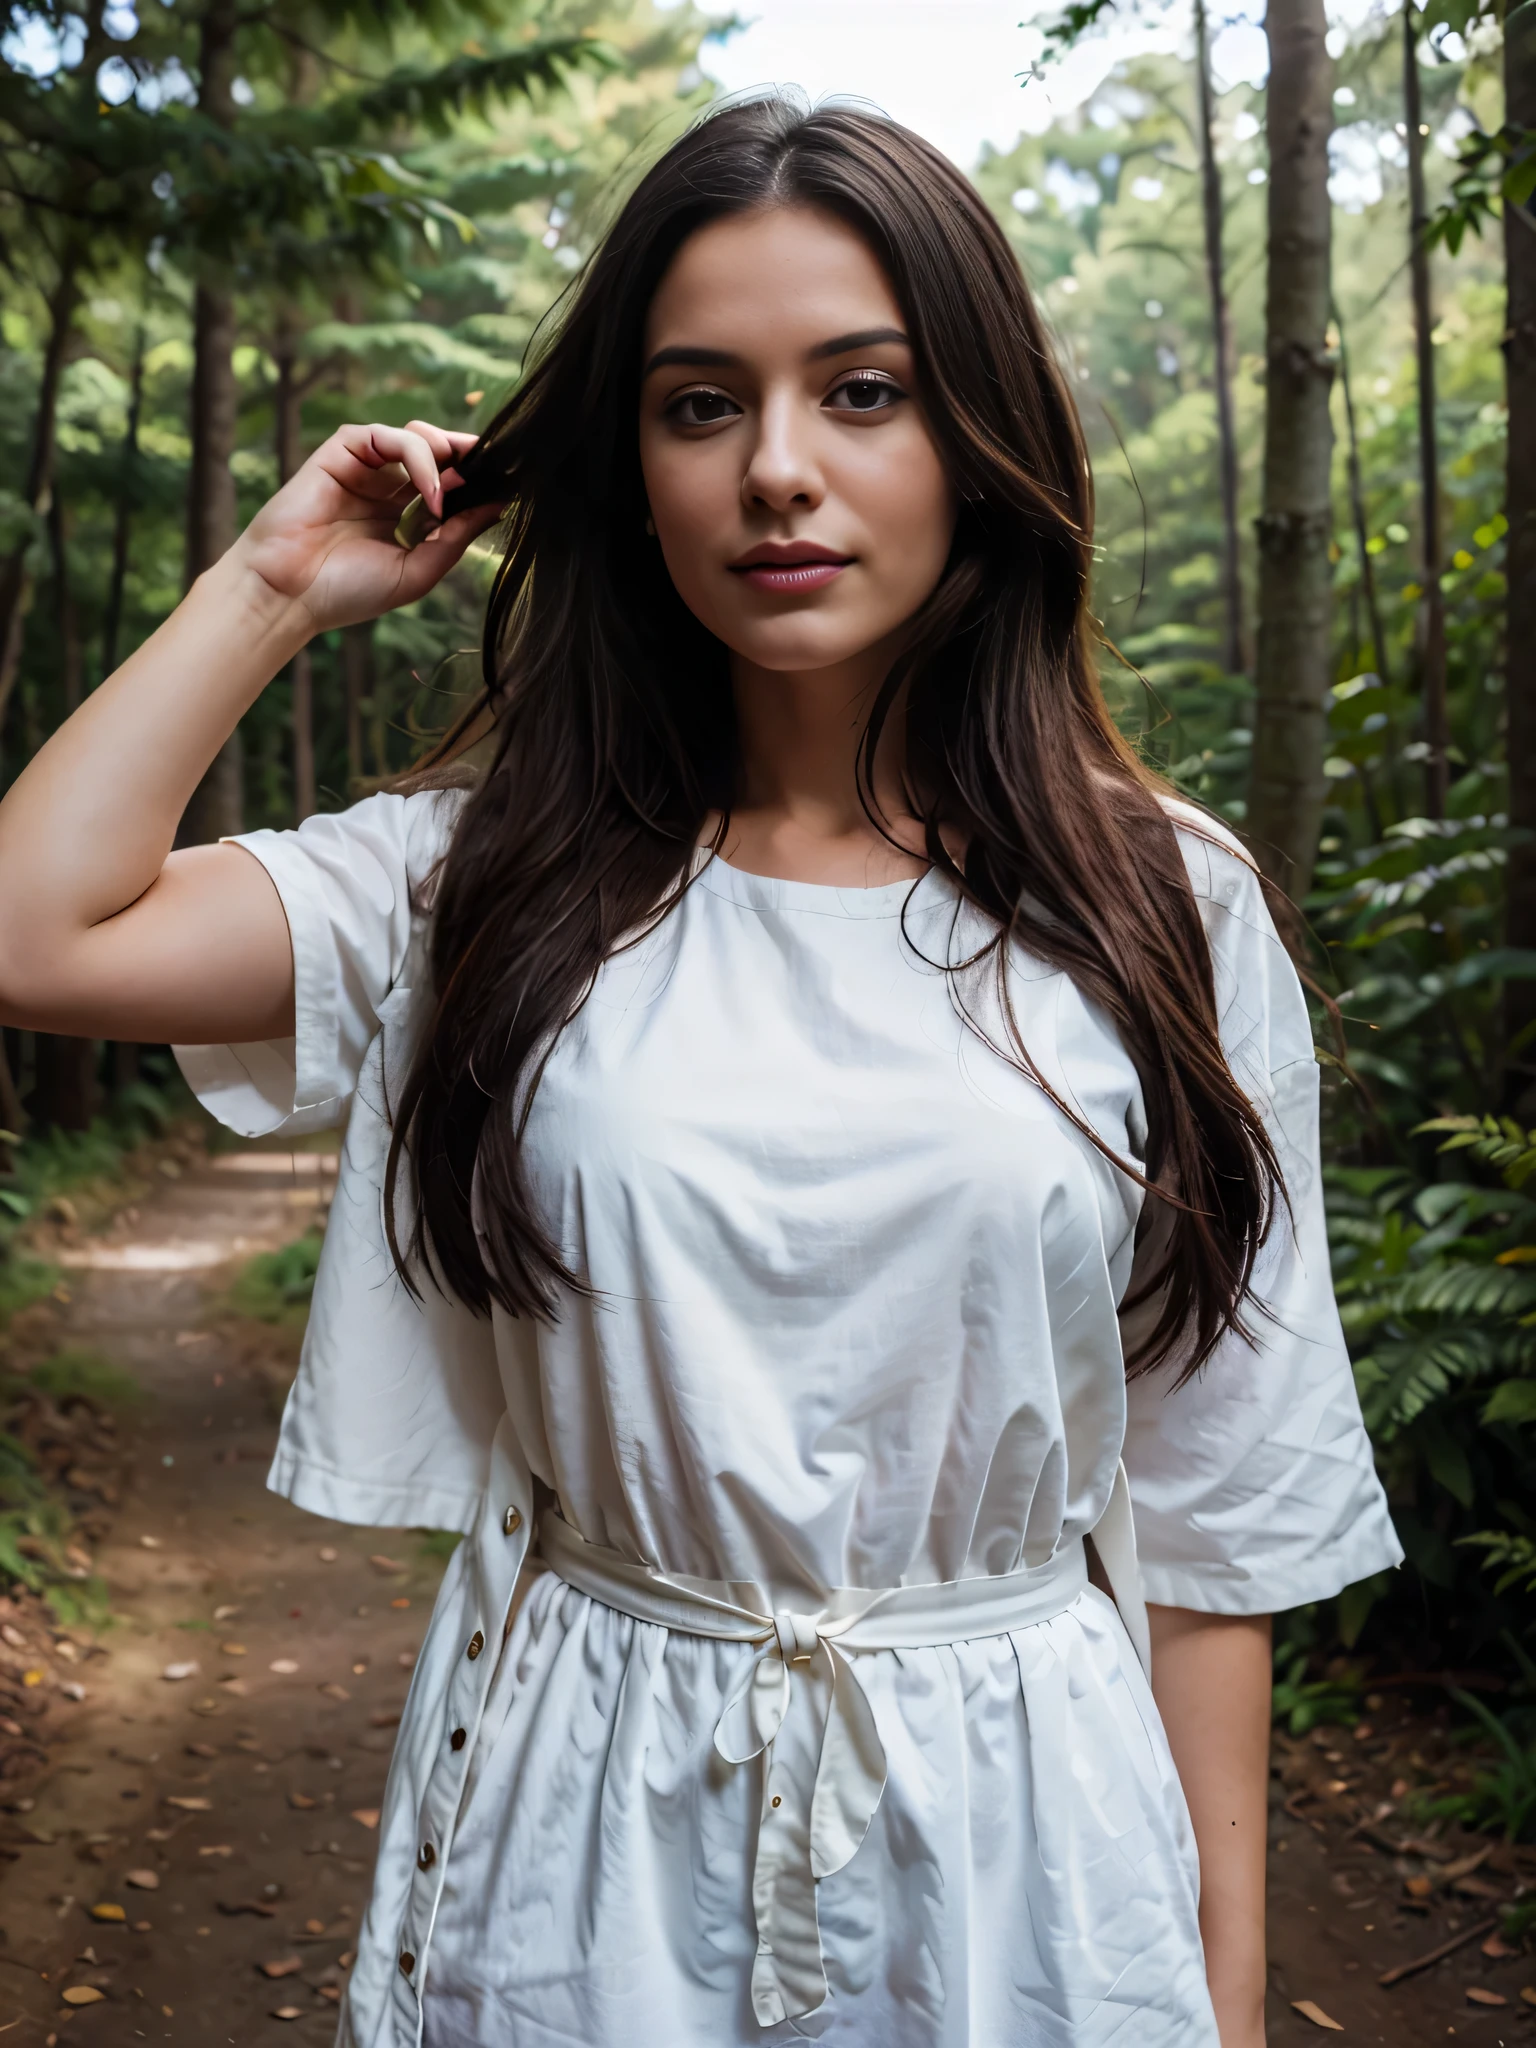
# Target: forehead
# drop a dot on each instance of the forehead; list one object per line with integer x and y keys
{"x": 783, "y": 278}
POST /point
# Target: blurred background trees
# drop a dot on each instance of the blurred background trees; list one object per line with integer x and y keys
{"x": 1301, "y": 321}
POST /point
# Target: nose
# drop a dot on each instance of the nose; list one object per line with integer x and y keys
{"x": 782, "y": 471}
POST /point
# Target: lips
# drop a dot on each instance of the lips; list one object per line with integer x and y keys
{"x": 790, "y": 567}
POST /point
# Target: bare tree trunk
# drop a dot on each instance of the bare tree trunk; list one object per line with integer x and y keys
{"x": 112, "y": 623}
{"x": 1520, "y": 562}
{"x": 1285, "y": 803}
{"x": 288, "y": 424}
{"x": 1431, "y": 621}
{"x": 64, "y": 1097}
{"x": 71, "y": 655}
{"x": 1233, "y": 653}
{"x": 358, "y": 671}
{"x": 15, "y": 580}
{"x": 217, "y": 805}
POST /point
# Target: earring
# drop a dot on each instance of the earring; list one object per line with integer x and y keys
{"x": 650, "y": 526}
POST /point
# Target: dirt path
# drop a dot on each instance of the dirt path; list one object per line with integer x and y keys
{"x": 223, "y": 1818}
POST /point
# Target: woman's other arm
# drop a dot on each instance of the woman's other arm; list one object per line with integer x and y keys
{"x": 104, "y": 932}
{"x": 1211, "y": 1674}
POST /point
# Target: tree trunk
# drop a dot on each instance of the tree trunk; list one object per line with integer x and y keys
{"x": 217, "y": 805}
{"x": 1285, "y": 803}
{"x": 15, "y": 580}
{"x": 358, "y": 672}
{"x": 288, "y": 425}
{"x": 1430, "y": 635}
{"x": 112, "y": 622}
{"x": 1520, "y": 561}
{"x": 64, "y": 1097}
{"x": 71, "y": 657}
{"x": 1233, "y": 654}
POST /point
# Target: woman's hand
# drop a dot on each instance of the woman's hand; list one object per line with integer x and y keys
{"x": 326, "y": 542}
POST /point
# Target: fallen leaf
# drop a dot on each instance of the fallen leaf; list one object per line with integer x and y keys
{"x": 283, "y": 1666}
{"x": 235, "y": 1688}
{"x": 1495, "y": 1948}
{"x": 234, "y": 1906}
{"x": 143, "y": 1926}
{"x": 108, "y": 1910}
{"x": 143, "y": 1880}
{"x": 225, "y": 1613}
{"x": 399, "y": 1603}
{"x": 333, "y": 1691}
{"x": 1480, "y": 1996}
{"x": 366, "y": 1816}
{"x": 189, "y": 1802}
{"x": 287, "y": 2012}
{"x": 288, "y": 1966}
{"x": 1315, "y": 2013}
{"x": 314, "y": 1927}
{"x": 385, "y": 1720}
{"x": 331, "y": 1993}
{"x": 232, "y": 1650}
{"x": 83, "y": 1994}
{"x": 1418, "y": 1887}
{"x": 179, "y": 1671}
{"x": 31, "y": 1678}
{"x": 216, "y": 1849}
{"x": 302, "y": 1802}
{"x": 14, "y": 1637}
{"x": 72, "y": 1689}
{"x": 328, "y": 1556}
{"x": 150, "y": 1542}
{"x": 1528, "y": 1994}
{"x": 406, "y": 1659}
{"x": 387, "y": 1567}
{"x": 202, "y": 1749}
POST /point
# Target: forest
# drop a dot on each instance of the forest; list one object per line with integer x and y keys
{"x": 1300, "y": 316}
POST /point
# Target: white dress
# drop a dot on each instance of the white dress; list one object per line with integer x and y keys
{"x": 854, "y": 1326}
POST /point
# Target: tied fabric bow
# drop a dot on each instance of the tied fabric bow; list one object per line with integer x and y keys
{"x": 801, "y": 1706}
{"x": 801, "y": 1842}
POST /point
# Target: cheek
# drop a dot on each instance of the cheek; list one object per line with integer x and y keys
{"x": 908, "y": 505}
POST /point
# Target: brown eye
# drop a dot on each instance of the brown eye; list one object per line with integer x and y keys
{"x": 866, "y": 394}
{"x": 702, "y": 408}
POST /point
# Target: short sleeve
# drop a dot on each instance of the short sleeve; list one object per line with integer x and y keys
{"x": 1253, "y": 1484}
{"x": 351, "y": 885}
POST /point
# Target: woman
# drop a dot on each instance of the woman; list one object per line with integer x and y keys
{"x": 832, "y": 1102}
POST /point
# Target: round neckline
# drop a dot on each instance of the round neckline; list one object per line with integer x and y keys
{"x": 825, "y": 899}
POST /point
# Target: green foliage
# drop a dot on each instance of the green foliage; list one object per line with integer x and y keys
{"x": 275, "y": 1287}
{"x": 1302, "y": 1703}
{"x": 79, "y": 1375}
{"x": 1502, "y": 1795}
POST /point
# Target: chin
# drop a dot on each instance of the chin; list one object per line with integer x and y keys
{"x": 799, "y": 650}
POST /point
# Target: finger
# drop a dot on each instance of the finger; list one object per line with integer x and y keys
{"x": 443, "y": 441}
{"x": 415, "y": 456}
{"x": 426, "y": 565}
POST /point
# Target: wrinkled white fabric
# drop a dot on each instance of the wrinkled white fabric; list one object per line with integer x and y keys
{"x": 854, "y": 1326}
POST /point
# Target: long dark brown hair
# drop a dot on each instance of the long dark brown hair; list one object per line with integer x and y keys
{"x": 615, "y": 735}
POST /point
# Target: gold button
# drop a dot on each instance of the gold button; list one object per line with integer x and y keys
{"x": 476, "y": 1645}
{"x": 427, "y": 1857}
{"x": 407, "y": 1962}
{"x": 512, "y": 1521}
{"x": 457, "y": 1739}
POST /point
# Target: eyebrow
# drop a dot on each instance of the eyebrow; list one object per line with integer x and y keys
{"x": 695, "y": 355}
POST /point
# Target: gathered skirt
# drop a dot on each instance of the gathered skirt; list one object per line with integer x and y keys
{"x": 1029, "y": 1878}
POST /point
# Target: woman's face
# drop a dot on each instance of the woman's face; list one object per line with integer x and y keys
{"x": 796, "y": 491}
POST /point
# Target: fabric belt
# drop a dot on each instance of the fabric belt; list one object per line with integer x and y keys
{"x": 809, "y": 1831}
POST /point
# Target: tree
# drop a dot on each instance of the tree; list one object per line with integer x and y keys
{"x": 1293, "y": 670}
{"x": 1212, "y": 211}
{"x": 1431, "y": 637}
{"x": 1520, "y": 509}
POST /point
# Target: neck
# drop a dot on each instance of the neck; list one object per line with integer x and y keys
{"x": 798, "y": 812}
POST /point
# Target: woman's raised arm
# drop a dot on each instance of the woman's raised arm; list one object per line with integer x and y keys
{"x": 104, "y": 932}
